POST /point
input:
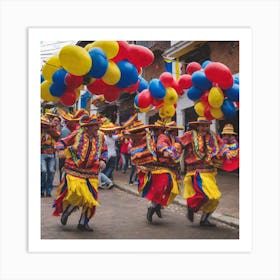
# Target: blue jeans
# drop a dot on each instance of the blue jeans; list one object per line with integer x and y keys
{"x": 47, "y": 173}
{"x": 103, "y": 179}
{"x": 110, "y": 166}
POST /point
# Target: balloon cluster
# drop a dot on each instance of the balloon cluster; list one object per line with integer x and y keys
{"x": 105, "y": 67}
{"x": 213, "y": 89}
{"x": 161, "y": 94}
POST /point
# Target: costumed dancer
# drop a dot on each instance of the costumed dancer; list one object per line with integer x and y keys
{"x": 229, "y": 138}
{"x": 202, "y": 147}
{"x": 85, "y": 154}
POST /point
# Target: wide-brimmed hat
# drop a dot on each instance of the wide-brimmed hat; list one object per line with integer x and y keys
{"x": 200, "y": 120}
{"x": 228, "y": 129}
{"x": 130, "y": 120}
{"x": 109, "y": 127}
{"x": 51, "y": 113}
{"x": 136, "y": 126}
{"x": 72, "y": 117}
{"x": 158, "y": 125}
{"x": 173, "y": 125}
{"x": 87, "y": 120}
{"x": 45, "y": 121}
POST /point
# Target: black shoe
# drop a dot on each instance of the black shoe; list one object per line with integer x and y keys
{"x": 190, "y": 214}
{"x": 85, "y": 227}
{"x": 158, "y": 212}
{"x": 150, "y": 213}
{"x": 206, "y": 223}
{"x": 64, "y": 218}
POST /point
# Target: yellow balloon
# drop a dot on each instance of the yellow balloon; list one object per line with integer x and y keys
{"x": 45, "y": 92}
{"x": 171, "y": 96}
{"x": 51, "y": 65}
{"x": 199, "y": 108}
{"x": 216, "y": 97}
{"x": 168, "y": 110}
{"x": 217, "y": 113}
{"x": 110, "y": 48}
{"x": 75, "y": 60}
{"x": 161, "y": 113}
{"x": 113, "y": 74}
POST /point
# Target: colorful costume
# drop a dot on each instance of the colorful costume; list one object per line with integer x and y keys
{"x": 79, "y": 186}
{"x": 201, "y": 152}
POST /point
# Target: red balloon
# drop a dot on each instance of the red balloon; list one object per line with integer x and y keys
{"x": 123, "y": 51}
{"x": 144, "y": 98}
{"x": 97, "y": 87}
{"x": 111, "y": 93}
{"x": 207, "y": 113}
{"x": 220, "y": 74}
{"x": 204, "y": 97}
{"x": 192, "y": 67}
{"x": 166, "y": 78}
{"x": 68, "y": 98}
{"x": 177, "y": 87}
{"x": 132, "y": 88}
{"x": 72, "y": 81}
{"x": 140, "y": 56}
{"x": 185, "y": 81}
{"x": 157, "y": 103}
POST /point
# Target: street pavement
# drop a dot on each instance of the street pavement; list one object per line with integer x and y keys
{"x": 122, "y": 215}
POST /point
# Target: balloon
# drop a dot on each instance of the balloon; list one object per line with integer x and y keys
{"x": 140, "y": 55}
{"x": 207, "y": 113}
{"x": 97, "y": 87}
{"x": 199, "y": 108}
{"x": 129, "y": 74}
{"x": 130, "y": 89}
{"x": 111, "y": 93}
{"x": 205, "y": 63}
{"x": 144, "y": 99}
{"x": 228, "y": 108}
{"x": 157, "y": 89}
{"x": 50, "y": 67}
{"x": 57, "y": 89}
{"x": 168, "y": 110}
{"x": 192, "y": 67}
{"x": 59, "y": 76}
{"x": 171, "y": 96}
{"x": 233, "y": 93}
{"x": 166, "y": 78}
{"x": 185, "y": 81}
{"x": 72, "y": 81}
{"x": 216, "y": 97}
{"x": 123, "y": 51}
{"x": 161, "y": 113}
{"x": 217, "y": 113}
{"x": 113, "y": 73}
{"x": 143, "y": 110}
{"x": 236, "y": 80}
{"x": 45, "y": 92}
{"x": 200, "y": 81}
{"x": 204, "y": 97}
{"x": 75, "y": 60}
{"x": 157, "y": 103}
{"x": 143, "y": 84}
{"x": 179, "y": 90}
{"x": 110, "y": 48}
{"x": 136, "y": 101}
{"x": 99, "y": 63}
{"x": 194, "y": 93}
{"x": 68, "y": 98}
{"x": 220, "y": 74}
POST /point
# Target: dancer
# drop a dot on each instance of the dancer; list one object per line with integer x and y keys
{"x": 85, "y": 153}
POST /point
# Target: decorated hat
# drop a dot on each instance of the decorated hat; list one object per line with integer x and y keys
{"x": 87, "y": 120}
{"x": 51, "y": 113}
{"x": 45, "y": 121}
{"x": 158, "y": 124}
{"x": 173, "y": 125}
{"x": 228, "y": 129}
{"x": 200, "y": 120}
{"x": 130, "y": 120}
{"x": 72, "y": 118}
{"x": 109, "y": 127}
{"x": 136, "y": 127}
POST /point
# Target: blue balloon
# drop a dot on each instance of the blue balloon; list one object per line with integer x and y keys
{"x": 129, "y": 74}
{"x": 194, "y": 93}
{"x": 200, "y": 81}
{"x": 157, "y": 89}
{"x": 143, "y": 84}
{"x": 228, "y": 109}
{"x": 99, "y": 63}
{"x": 57, "y": 89}
{"x": 59, "y": 76}
{"x": 233, "y": 93}
{"x": 205, "y": 63}
{"x": 136, "y": 104}
{"x": 236, "y": 80}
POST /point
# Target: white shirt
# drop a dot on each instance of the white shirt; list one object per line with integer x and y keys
{"x": 111, "y": 144}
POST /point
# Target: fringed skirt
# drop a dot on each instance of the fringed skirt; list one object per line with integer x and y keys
{"x": 201, "y": 191}
{"x": 159, "y": 186}
{"x": 78, "y": 192}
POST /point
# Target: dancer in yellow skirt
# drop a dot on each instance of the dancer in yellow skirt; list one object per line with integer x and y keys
{"x": 85, "y": 154}
{"x": 202, "y": 148}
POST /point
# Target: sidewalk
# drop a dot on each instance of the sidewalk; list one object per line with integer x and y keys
{"x": 228, "y": 208}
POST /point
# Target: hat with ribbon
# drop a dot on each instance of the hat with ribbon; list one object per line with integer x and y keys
{"x": 109, "y": 127}
{"x": 158, "y": 125}
{"x": 200, "y": 120}
{"x": 173, "y": 125}
{"x": 130, "y": 120}
{"x": 45, "y": 121}
{"x": 70, "y": 117}
{"x": 228, "y": 129}
{"x": 136, "y": 127}
{"x": 87, "y": 120}
{"x": 51, "y": 113}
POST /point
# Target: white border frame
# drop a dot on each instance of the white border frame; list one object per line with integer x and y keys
{"x": 243, "y": 35}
